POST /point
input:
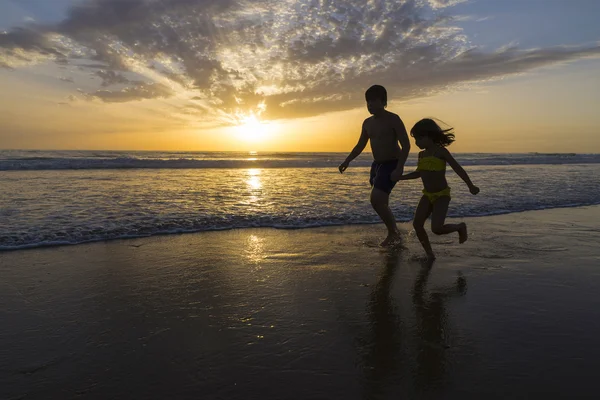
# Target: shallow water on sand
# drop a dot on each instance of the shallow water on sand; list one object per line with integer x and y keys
{"x": 311, "y": 314}
{"x": 163, "y": 193}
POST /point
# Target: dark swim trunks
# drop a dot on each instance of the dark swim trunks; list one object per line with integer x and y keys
{"x": 380, "y": 175}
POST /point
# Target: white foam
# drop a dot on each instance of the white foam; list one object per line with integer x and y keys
{"x": 30, "y": 161}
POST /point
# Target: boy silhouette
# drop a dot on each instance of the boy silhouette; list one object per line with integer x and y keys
{"x": 385, "y": 130}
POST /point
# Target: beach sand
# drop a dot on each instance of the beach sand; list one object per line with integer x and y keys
{"x": 320, "y": 313}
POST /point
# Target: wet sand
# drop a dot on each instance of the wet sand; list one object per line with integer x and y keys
{"x": 317, "y": 313}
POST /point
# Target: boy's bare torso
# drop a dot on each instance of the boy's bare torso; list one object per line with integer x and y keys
{"x": 383, "y": 136}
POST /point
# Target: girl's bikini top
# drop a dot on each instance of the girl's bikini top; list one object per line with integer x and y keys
{"x": 431, "y": 163}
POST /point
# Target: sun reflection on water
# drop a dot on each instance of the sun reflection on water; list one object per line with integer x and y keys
{"x": 253, "y": 180}
{"x": 254, "y": 249}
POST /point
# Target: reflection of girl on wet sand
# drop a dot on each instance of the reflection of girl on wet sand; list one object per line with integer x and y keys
{"x": 387, "y": 362}
{"x": 431, "y": 318}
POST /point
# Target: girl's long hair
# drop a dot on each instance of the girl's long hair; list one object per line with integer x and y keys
{"x": 428, "y": 127}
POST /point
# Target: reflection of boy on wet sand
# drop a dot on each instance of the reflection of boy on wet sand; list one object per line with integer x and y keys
{"x": 387, "y": 361}
{"x": 384, "y": 129}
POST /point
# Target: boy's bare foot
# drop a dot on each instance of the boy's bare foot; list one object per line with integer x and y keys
{"x": 462, "y": 233}
{"x": 390, "y": 239}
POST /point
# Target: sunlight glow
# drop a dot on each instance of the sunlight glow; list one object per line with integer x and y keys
{"x": 251, "y": 129}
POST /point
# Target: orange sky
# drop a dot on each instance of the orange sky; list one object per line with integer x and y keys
{"x": 287, "y": 85}
{"x": 547, "y": 111}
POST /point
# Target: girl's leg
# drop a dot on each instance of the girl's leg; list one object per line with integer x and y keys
{"x": 438, "y": 217}
{"x": 421, "y": 214}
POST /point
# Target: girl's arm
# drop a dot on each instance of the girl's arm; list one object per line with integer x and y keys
{"x": 459, "y": 170}
{"x": 412, "y": 175}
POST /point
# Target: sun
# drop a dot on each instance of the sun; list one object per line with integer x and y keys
{"x": 251, "y": 129}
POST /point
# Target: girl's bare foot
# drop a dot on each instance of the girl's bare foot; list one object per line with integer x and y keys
{"x": 462, "y": 233}
{"x": 390, "y": 239}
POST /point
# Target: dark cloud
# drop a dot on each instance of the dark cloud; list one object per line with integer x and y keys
{"x": 297, "y": 58}
{"x": 123, "y": 15}
{"x": 27, "y": 39}
{"x": 111, "y": 78}
{"x": 91, "y": 66}
{"x": 24, "y": 45}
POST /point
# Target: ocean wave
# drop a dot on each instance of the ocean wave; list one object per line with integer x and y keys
{"x": 282, "y": 160}
{"x": 136, "y": 163}
{"x": 74, "y": 237}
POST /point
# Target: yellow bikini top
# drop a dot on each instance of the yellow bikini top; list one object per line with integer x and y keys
{"x": 431, "y": 163}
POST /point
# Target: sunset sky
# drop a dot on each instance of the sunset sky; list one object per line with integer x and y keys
{"x": 290, "y": 75}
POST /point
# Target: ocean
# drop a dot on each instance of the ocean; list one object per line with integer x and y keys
{"x": 50, "y": 198}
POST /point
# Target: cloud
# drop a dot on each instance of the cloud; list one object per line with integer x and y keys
{"x": 138, "y": 92}
{"x": 437, "y": 4}
{"x": 110, "y": 78}
{"x": 470, "y": 18}
{"x": 277, "y": 58}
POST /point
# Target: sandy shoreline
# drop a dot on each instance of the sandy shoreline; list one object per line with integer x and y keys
{"x": 312, "y": 313}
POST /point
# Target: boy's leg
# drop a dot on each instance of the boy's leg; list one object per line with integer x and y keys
{"x": 380, "y": 203}
{"x": 421, "y": 214}
{"x": 438, "y": 217}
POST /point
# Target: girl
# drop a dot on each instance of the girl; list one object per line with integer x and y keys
{"x": 431, "y": 168}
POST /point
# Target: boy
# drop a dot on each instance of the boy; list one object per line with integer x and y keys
{"x": 385, "y": 130}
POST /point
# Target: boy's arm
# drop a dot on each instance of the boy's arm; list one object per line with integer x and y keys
{"x": 411, "y": 175}
{"x": 402, "y": 137}
{"x": 459, "y": 170}
{"x": 360, "y": 146}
